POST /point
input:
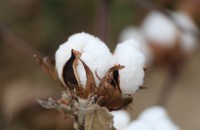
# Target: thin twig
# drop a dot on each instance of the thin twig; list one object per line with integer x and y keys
{"x": 166, "y": 91}
{"x": 169, "y": 86}
{"x": 102, "y": 19}
{"x": 12, "y": 39}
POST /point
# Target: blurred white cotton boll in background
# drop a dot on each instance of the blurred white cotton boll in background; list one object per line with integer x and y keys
{"x": 153, "y": 114}
{"x": 184, "y": 21}
{"x": 158, "y": 118}
{"x": 138, "y": 125}
{"x": 93, "y": 52}
{"x": 121, "y": 119}
{"x": 188, "y": 39}
{"x": 135, "y": 33}
{"x": 154, "y": 118}
{"x": 164, "y": 31}
{"x": 131, "y": 77}
{"x": 159, "y": 29}
{"x": 188, "y": 42}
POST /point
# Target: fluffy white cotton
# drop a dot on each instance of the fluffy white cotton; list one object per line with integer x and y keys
{"x": 138, "y": 125}
{"x": 158, "y": 118}
{"x": 121, "y": 119}
{"x": 131, "y": 77}
{"x": 93, "y": 52}
{"x": 136, "y": 34}
{"x": 160, "y": 29}
{"x": 154, "y": 118}
{"x": 153, "y": 114}
{"x": 188, "y": 42}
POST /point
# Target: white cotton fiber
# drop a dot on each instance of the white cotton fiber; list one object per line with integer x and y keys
{"x": 93, "y": 52}
{"x": 188, "y": 42}
{"x": 121, "y": 119}
{"x": 153, "y": 115}
{"x": 159, "y": 29}
{"x": 131, "y": 77}
{"x": 158, "y": 118}
{"x": 188, "y": 39}
{"x": 184, "y": 21}
{"x": 135, "y": 33}
{"x": 154, "y": 118}
{"x": 138, "y": 125}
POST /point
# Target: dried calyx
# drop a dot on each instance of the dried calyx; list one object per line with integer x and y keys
{"x": 107, "y": 94}
{"x": 88, "y": 104}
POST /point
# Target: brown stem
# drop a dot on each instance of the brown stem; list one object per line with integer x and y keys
{"x": 166, "y": 91}
{"x": 77, "y": 125}
{"x": 102, "y": 19}
{"x": 169, "y": 86}
{"x": 12, "y": 39}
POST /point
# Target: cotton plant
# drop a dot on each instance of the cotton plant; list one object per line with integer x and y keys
{"x": 153, "y": 118}
{"x": 95, "y": 81}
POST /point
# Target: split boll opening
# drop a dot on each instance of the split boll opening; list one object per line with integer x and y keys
{"x": 96, "y": 55}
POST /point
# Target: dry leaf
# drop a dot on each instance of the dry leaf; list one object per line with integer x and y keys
{"x": 99, "y": 119}
{"x": 48, "y": 65}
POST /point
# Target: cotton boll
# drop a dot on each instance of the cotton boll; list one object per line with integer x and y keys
{"x": 93, "y": 52}
{"x": 129, "y": 55}
{"x": 188, "y": 40}
{"x": 138, "y": 125}
{"x": 136, "y": 34}
{"x": 98, "y": 57}
{"x": 158, "y": 119}
{"x": 121, "y": 119}
{"x": 154, "y": 118}
{"x": 165, "y": 124}
{"x": 63, "y": 53}
{"x": 153, "y": 114}
{"x": 130, "y": 32}
{"x": 159, "y": 29}
{"x": 184, "y": 21}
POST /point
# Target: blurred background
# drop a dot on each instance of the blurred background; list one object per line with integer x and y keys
{"x": 44, "y": 25}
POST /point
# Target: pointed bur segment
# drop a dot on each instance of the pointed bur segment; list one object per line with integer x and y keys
{"x": 109, "y": 88}
{"x": 115, "y": 75}
{"x": 124, "y": 101}
{"x": 69, "y": 71}
{"x": 90, "y": 87}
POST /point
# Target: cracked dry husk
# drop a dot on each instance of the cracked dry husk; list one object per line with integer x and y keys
{"x": 89, "y": 105}
{"x": 87, "y": 114}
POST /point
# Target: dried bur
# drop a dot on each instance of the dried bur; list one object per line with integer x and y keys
{"x": 89, "y": 105}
